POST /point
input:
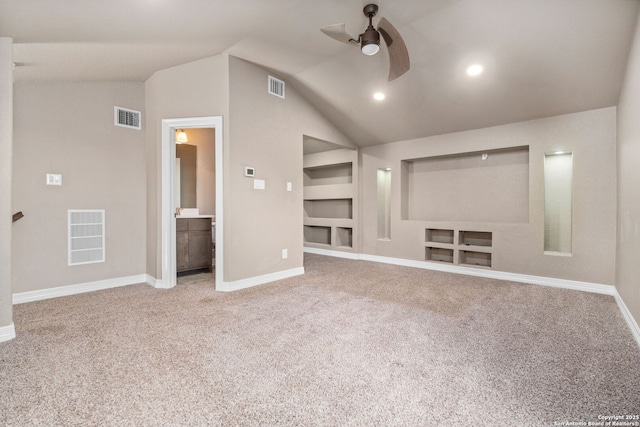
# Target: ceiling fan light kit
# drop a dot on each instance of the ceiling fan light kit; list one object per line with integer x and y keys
{"x": 369, "y": 41}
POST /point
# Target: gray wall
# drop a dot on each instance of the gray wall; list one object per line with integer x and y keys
{"x": 518, "y": 244}
{"x": 205, "y": 140}
{"x": 266, "y": 133}
{"x": 196, "y": 89}
{"x": 260, "y": 130}
{"x": 6, "y": 143}
{"x": 628, "y": 238}
{"x": 67, "y": 128}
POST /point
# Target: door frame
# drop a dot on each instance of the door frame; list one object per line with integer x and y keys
{"x": 168, "y": 218}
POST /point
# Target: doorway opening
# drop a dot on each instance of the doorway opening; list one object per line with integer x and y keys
{"x": 169, "y": 195}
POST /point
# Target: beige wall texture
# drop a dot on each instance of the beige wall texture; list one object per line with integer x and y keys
{"x": 260, "y": 130}
{"x": 6, "y": 143}
{"x": 205, "y": 140}
{"x": 266, "y": 132}
{"x": 628, "y": 237}
{"x": 518, "y": 246}
{"x": 196, "y": 89}
{"x": 68, "y": 129}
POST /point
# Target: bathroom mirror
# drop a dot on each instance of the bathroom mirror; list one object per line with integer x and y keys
{"x": 186, "y": 179}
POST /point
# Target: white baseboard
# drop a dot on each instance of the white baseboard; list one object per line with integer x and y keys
{"x": 153, "y": 282}
{"x": 62, "y": 291}
{"x": 500, "y": 275}
{"x": 258, "y": 280}
{"x": 512, "y": 277}
{"x": 633, "y": 325}
{"x": 7, "y": 332}
{"x": 329, "y": 252}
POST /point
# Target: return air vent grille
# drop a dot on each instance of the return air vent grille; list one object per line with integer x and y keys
{"x": 86, "y": 236}
{"x": 127, "y": 118}
{"x": 276, "y": 87}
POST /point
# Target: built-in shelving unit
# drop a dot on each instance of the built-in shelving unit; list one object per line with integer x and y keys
{"x": 464, "y": 247}
{"x": 330, "y": 199}
{"x": 317, "y": 234}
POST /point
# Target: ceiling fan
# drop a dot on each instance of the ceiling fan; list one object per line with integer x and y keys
{"x": 369, "y": 41}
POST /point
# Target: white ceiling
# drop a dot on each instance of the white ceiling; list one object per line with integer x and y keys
{"x": 541, "y": 57}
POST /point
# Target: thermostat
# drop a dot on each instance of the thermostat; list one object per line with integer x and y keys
{"x": 249, "y": 171}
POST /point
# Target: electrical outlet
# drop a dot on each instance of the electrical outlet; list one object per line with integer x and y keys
{"x": 289, "y": 186}
{"x": 285, "y": 254}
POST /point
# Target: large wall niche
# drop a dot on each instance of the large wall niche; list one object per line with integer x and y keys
{"x": 482, "y": 186}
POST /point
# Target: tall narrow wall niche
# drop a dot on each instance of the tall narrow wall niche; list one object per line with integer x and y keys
{"x": 384, "y": 203}
{"x": 558, "y": 172}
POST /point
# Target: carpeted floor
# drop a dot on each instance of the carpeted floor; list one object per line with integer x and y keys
{"x": 350, "y": 343}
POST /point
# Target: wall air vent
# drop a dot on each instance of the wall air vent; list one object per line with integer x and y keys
{"x": 127, "y": 118}
{"x": 276, "y": 87}
{"x": 86, "y": 236}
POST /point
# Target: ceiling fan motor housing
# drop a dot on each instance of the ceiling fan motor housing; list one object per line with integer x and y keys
{"x": 370, "y": 39}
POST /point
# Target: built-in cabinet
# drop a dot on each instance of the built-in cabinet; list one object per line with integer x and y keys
{"x": 464, "y": 247}
{"x": 193, "y": 244}
{"x": 330, "y": 199}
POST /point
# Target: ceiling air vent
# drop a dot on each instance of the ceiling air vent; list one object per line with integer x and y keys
{"x": 276, "y": 87}
{"x": 127, "y": 118}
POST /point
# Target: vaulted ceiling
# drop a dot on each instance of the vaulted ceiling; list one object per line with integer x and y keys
{"x": 541, "y": 57}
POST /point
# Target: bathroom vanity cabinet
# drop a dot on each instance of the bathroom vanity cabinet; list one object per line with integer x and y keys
{"x": 193, "y": 244}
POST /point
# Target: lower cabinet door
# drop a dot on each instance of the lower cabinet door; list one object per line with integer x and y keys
{"x": 199, "y": 249}
{"x": 182, "y": 251}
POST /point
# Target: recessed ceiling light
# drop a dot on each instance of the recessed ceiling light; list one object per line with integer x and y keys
{"x": 475, "y": 70}
{"x": 378, "y": 96}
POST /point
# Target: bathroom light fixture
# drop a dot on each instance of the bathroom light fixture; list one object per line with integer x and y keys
{"x": 378, "y": 96}
{"x": 181, "y": 137}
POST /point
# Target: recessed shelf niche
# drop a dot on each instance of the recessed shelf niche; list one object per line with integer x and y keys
{"x": 439, "y": 236}
{"x": 472, "y": 248}
{"x": 317, "y": 234}
{"x": 329, "y": 195}
{"x": 479, "y": 186}
{"x": 476, "y": 238}
{"x": 344, "y": 237}
{"x": 476, "y": 259}
{"x": 329, "y": 208}
{"x": 341, "y": 173}
{"x": 439, "y": 254}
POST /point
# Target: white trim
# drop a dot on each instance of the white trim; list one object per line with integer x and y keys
{"x": 153, "y": 282}
{"x": 329, "y": 252}
{"x": 500, "y": 275}
{"x": 258, "y": 280}
{"x": 80, "y": 288}
{"x": 7, "y": 333}
{"x": 628, "y": 317}
{"x": 168, "y": 223}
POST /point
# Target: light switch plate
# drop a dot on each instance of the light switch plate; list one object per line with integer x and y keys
{"x": 54, "y": 179}
{"x": 259, "y": 184}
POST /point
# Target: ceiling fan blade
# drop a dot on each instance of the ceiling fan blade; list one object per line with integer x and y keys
{"x": 398, "y": 55}
{"x": 338, "y": 32}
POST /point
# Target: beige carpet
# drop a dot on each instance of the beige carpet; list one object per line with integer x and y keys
{"x": 350, "y": 343}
